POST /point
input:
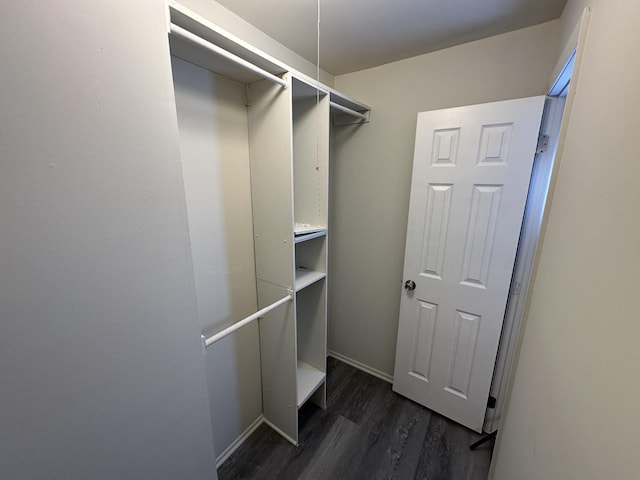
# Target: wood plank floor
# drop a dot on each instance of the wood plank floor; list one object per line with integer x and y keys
{"x": 367, "y": 432}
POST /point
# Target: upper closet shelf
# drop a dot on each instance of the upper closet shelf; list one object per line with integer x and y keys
{"x": 197, "y": 25}
{"x": 306, "y": 88}
{"x": 347, "y": 111}
{"x": 196, "y": 51}
{"x": 345, "y": 101}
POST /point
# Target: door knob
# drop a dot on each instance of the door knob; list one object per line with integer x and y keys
{"x": 409, "y": 285}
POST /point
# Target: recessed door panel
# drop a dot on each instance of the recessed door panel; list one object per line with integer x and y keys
{"x": 463, "y": 350}
{"x": 423, "y": 346}
{"x": 435, "y": 229}
{"x": 494, "y": 147}
{"x": 445, "y": 151}
{"x": 480, "y": 238}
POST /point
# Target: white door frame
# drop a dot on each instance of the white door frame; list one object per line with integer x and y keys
{"x": 542, "y": 167}
{"x": 568, "y": 68}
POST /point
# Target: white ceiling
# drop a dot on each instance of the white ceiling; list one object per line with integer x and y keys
{"x": 358, "y": 34}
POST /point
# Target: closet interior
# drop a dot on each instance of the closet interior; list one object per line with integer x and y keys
{"x": 289, "y": 117}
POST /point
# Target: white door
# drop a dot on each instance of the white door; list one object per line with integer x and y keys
{"x": 470, "y": 179}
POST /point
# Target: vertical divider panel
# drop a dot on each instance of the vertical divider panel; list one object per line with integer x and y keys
{"x": 320, "y": 397}
{"x": 278, "y": 360}
{"x": 270, "y": 150}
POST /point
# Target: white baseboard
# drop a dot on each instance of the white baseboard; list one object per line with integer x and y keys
{"x": 260, "y": 420}
{"x": 284, "y": 435}
{"x": 361, "y": 366}
{"x": 239, "y": 441}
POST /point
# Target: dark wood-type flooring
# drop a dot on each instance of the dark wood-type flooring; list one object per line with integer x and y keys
{"x": 367, "y": 432}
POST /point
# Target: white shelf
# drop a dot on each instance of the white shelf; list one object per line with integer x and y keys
{"x": 212, "y": 33}
{"x": 304, "y": 278}
{"x": 304, "y": 229}
{"x": 302, "y": 89}
{"x": 308, "y": 381}
{"x": 345, "y": 101}
{"x": 303, "y": 237}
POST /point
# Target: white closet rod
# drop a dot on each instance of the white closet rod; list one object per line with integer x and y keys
{"x": 187, "y": 35}
{"x": 260, "y": 313}
{"x": 348, "y": 111}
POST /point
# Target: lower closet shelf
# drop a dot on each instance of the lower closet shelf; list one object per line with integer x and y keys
{"x": 309, "y": 379}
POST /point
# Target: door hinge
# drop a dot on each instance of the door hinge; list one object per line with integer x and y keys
{"x": 543, "y": 143}
{"x": 515, "y": 289}
{"x": 491, "y": 403}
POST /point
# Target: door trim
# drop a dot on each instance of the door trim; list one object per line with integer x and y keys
{"x": 529, "y": 235}
{"x": 516, "y": 337}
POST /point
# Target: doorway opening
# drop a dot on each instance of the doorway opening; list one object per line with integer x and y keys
{"x": 529, "y": 237}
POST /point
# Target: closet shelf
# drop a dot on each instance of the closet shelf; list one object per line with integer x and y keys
{"x": 347, "y": 111}
{"x": 303, "y": 237}
{"x": 205, "y": 29}
{"x": 353, "y": 113}
{"x": 303, "y": 229}
{"x": 304, "y": 278}
{"x": 309, "y": 379}
{"x": 345, "y": 101}
{"x": 303, "y": 90}
{"x": 306, "y": 86}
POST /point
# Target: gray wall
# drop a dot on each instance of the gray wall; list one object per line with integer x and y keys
{"x": 212, "y": 120}
{"x": 101, "y": 366}
{"x": 371, "y": 172}
{"x": 573, "y": 411}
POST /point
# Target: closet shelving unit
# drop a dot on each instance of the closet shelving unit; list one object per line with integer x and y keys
{"x": 289, "y": 116}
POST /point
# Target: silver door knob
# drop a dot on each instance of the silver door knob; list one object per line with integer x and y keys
{"x": 409, "y": 285}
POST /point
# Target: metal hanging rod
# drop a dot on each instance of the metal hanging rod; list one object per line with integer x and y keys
{"x": 260, "y": 313}
{"x": 348, "y": 111}
{"x": 187, "y": 35}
